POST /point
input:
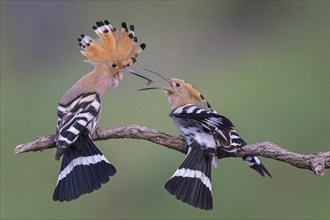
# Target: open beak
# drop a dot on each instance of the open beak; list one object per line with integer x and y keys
{"x": 126, "y": 70}
{"x": 150, "y": 88}
{"x": 157, "y": 74}
{"x": 161, "y": 88}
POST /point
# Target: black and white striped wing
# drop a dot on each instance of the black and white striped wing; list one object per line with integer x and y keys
{"x": 73, "y": 117}
{"x": 221, "y": 127}
{"x": 191, "y": 182}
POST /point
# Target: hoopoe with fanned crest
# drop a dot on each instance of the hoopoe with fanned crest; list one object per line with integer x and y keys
{"x": 84, "y": 168}
{"x": 202, "y": 128}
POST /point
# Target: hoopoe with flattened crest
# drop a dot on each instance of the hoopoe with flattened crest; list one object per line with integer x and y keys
{"x": 84, "y": 168}
{"x": 202, "y": 128}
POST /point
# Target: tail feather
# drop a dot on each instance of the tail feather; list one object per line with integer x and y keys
{"x": 83, "y": 170}
{"x": 191, "y": 183}
{"x": 85, "y": 180}
{"x": 103, "y": 170}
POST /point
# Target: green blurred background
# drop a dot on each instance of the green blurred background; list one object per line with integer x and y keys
{"x": 265, "y": 65}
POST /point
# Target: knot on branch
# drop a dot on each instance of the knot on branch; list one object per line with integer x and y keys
{"x": 319, "y": 162}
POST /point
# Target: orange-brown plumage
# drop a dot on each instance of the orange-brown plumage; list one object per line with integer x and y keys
{"x": 110, "y": 54}
{"x": 113, "y": 47}
{"x": 180, "y": 92}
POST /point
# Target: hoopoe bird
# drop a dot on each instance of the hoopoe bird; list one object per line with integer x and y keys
{"x": 84, "y": 168}
{"x": 202, "y": 128}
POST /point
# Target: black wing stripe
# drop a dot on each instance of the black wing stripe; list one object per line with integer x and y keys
{"x": 208, "y": 119}
{"x": 76, "y": 115}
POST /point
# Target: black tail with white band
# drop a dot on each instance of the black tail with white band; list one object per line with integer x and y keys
{"x": 191, "y": 182}
{"x": 84, "y": 168}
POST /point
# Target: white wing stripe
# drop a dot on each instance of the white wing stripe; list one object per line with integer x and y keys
{"x": 257, "y": 160}
{"x": 190, "y": 109}
{"x": 73, "y": 130}
{"x": 96, "y": 105}
{"x": 89, "y": 98}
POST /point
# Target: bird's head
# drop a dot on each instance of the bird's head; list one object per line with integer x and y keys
{"x": 179, "y": 92}
{"x": 113, "y": 51}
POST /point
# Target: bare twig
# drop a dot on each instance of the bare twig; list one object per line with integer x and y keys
{"x": 316, "y": 162}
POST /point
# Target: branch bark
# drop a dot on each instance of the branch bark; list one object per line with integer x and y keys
{"x": 316, "y": 162}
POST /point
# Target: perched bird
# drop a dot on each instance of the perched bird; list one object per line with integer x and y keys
{"x": 84, "y": 168}
{"x": 202, "y": 128}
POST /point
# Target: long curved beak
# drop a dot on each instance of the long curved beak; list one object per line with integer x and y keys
{"x": 164, "y": 78}
{"x": 126, "y": 70}
{"x": 150, "y": 88}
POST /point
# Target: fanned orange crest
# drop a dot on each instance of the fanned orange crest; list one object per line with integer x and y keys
{"x": 116, "y": 48}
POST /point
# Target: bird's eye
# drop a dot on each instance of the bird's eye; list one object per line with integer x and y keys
{"x": 177, "y": 84}
{"x": 113, "y": 65}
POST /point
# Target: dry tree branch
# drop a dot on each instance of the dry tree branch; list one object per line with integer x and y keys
{"x": 316, "y": 162}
